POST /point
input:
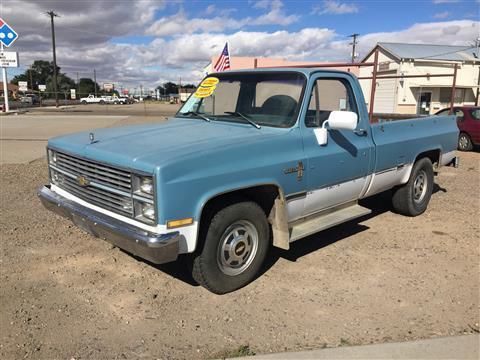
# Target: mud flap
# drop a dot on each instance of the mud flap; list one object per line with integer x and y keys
{"x": 279, "y": 219}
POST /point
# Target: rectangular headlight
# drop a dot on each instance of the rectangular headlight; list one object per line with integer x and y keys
{"x": 143, "y": 185}
{"x": 52, "y": 157}
{"x": 144, "y": 211}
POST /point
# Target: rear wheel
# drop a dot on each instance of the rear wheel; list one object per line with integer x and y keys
{"x": 412, "y": 198}
{"x": 236, "y": 244}
{"x": 464, "y": 142}
{"x": 84, "y": 102}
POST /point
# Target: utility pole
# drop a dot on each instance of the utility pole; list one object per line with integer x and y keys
{"x": 31, "y": 78}
{"x": 95, "y": 81}
{"x": 477, "y": 44}
{"x": 354, "y": 43}
{"x": 52, "y": 15}
{"x": 78, "y": 85}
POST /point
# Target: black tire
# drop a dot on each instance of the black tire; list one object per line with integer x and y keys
{"x": 412, "y": 198}
{"x": 464, "y": 142}
{"x": 210, "y": 266}
{"x": 102, "y": 102}
{"x": 84, "y": 102}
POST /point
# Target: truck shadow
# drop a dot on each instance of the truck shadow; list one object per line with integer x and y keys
{"x": 379, "y": 204}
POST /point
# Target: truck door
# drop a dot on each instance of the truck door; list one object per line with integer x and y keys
{"x": 338, "y": 172}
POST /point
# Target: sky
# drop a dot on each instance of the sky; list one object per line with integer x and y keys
{"x": 149, "y": 42}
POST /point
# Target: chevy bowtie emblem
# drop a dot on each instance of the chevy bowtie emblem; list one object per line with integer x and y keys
{"x": 83, "y": 181}
{"x": 298, "y": 169}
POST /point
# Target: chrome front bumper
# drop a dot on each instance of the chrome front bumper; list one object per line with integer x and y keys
{"x": 157, "y": 248}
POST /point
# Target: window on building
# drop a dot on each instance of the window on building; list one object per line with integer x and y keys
{"x": 384, "y": 66}
{"x": 446, "y": 94}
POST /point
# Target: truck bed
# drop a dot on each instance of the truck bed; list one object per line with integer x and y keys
{"x": 407, "y": 138}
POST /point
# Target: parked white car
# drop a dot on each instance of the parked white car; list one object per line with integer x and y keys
{"x": 91, "y": 99}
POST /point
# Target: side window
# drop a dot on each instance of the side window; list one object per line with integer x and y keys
{"x": 459, "y": 114}
{"x": 328, "y": 95}
{"x": 475, "y": 114}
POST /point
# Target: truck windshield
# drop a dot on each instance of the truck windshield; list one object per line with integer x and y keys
{"x": 269, "y": 98}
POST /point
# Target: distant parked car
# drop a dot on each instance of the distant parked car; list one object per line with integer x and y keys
{"x": 468, "y": 121}
{"x": 31, "y": 99}
{"x": 91, "y": 99}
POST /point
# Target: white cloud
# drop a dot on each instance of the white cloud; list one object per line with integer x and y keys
{"x": 441, "y": 15}
{"x": 276, "y": 15}
{"x": 85, "y": 32}
{"x": 436, "y": 2}
{"x": 180, "y": 23}
{"x": 458, "y": 32}
{"x": 214, "y": 10}
{"x": 335, "y": 8}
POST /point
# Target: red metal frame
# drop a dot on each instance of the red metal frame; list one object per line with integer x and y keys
{"x": 374, "y": 76}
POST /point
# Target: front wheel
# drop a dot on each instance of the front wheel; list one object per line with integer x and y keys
{"x": 412, "y": 198}
{"x": 236, "y": 244}
{"x": 464, "y": 142}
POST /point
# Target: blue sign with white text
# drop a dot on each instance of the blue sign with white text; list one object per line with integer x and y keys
{"x": 7, "y": 34}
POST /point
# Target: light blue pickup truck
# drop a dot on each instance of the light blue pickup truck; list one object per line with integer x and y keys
{"x": 253, "y": 159}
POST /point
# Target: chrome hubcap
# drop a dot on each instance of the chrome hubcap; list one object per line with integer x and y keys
{"x": 463, "y": 142}
{"x": 237, "y": 248}
{"x": 420, "y": 186}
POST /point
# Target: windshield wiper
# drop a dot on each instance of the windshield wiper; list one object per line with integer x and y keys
{"x": 188, "y": 113}
{"x": 239, "y": 114}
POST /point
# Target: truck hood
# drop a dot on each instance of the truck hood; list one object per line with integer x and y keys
{"x": 145, "y": 147}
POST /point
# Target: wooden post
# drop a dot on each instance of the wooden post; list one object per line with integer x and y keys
{"x": 374, "y": 85}
{"x": 452, "y": 97}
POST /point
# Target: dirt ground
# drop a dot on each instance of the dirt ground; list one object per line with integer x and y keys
{"x": 385, "y": 277}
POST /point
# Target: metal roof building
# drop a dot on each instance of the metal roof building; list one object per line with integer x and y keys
{"x": 402, "y": 51}
{"x": 423, "y": 95}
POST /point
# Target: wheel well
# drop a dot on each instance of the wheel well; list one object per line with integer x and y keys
{"x": 433, "y": 155}
{"x": 263, "y": 195}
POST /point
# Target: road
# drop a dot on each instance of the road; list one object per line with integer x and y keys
{"x": 23, "y": 137}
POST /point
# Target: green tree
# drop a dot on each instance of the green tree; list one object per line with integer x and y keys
{"x": 86, "y": 86}
{"x": 41, "y": 72}
{"x": 170, "y": 88}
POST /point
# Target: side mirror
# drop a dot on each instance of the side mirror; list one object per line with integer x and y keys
{"x": 322, "y": 135}
{"x": 338, "y": 120}
{"x": 343, "y": 120}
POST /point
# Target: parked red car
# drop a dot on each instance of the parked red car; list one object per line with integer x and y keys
{"x": 468, "y": 121}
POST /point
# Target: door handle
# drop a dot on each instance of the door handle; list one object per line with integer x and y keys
{"x": 361, "y": 132}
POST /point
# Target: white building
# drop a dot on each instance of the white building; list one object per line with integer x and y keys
{"x": 423, "y": 95}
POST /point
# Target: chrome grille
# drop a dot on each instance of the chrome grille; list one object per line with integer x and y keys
{"x": 108, "y": 187}
{"x": 102, "y": 174}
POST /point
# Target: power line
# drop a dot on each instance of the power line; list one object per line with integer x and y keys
{"x": 52, "y": 15}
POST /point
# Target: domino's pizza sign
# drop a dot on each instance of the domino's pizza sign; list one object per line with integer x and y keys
{"x": 7, "y": 34}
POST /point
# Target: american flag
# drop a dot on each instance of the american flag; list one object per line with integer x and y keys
{"x": 223, "y": 62}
